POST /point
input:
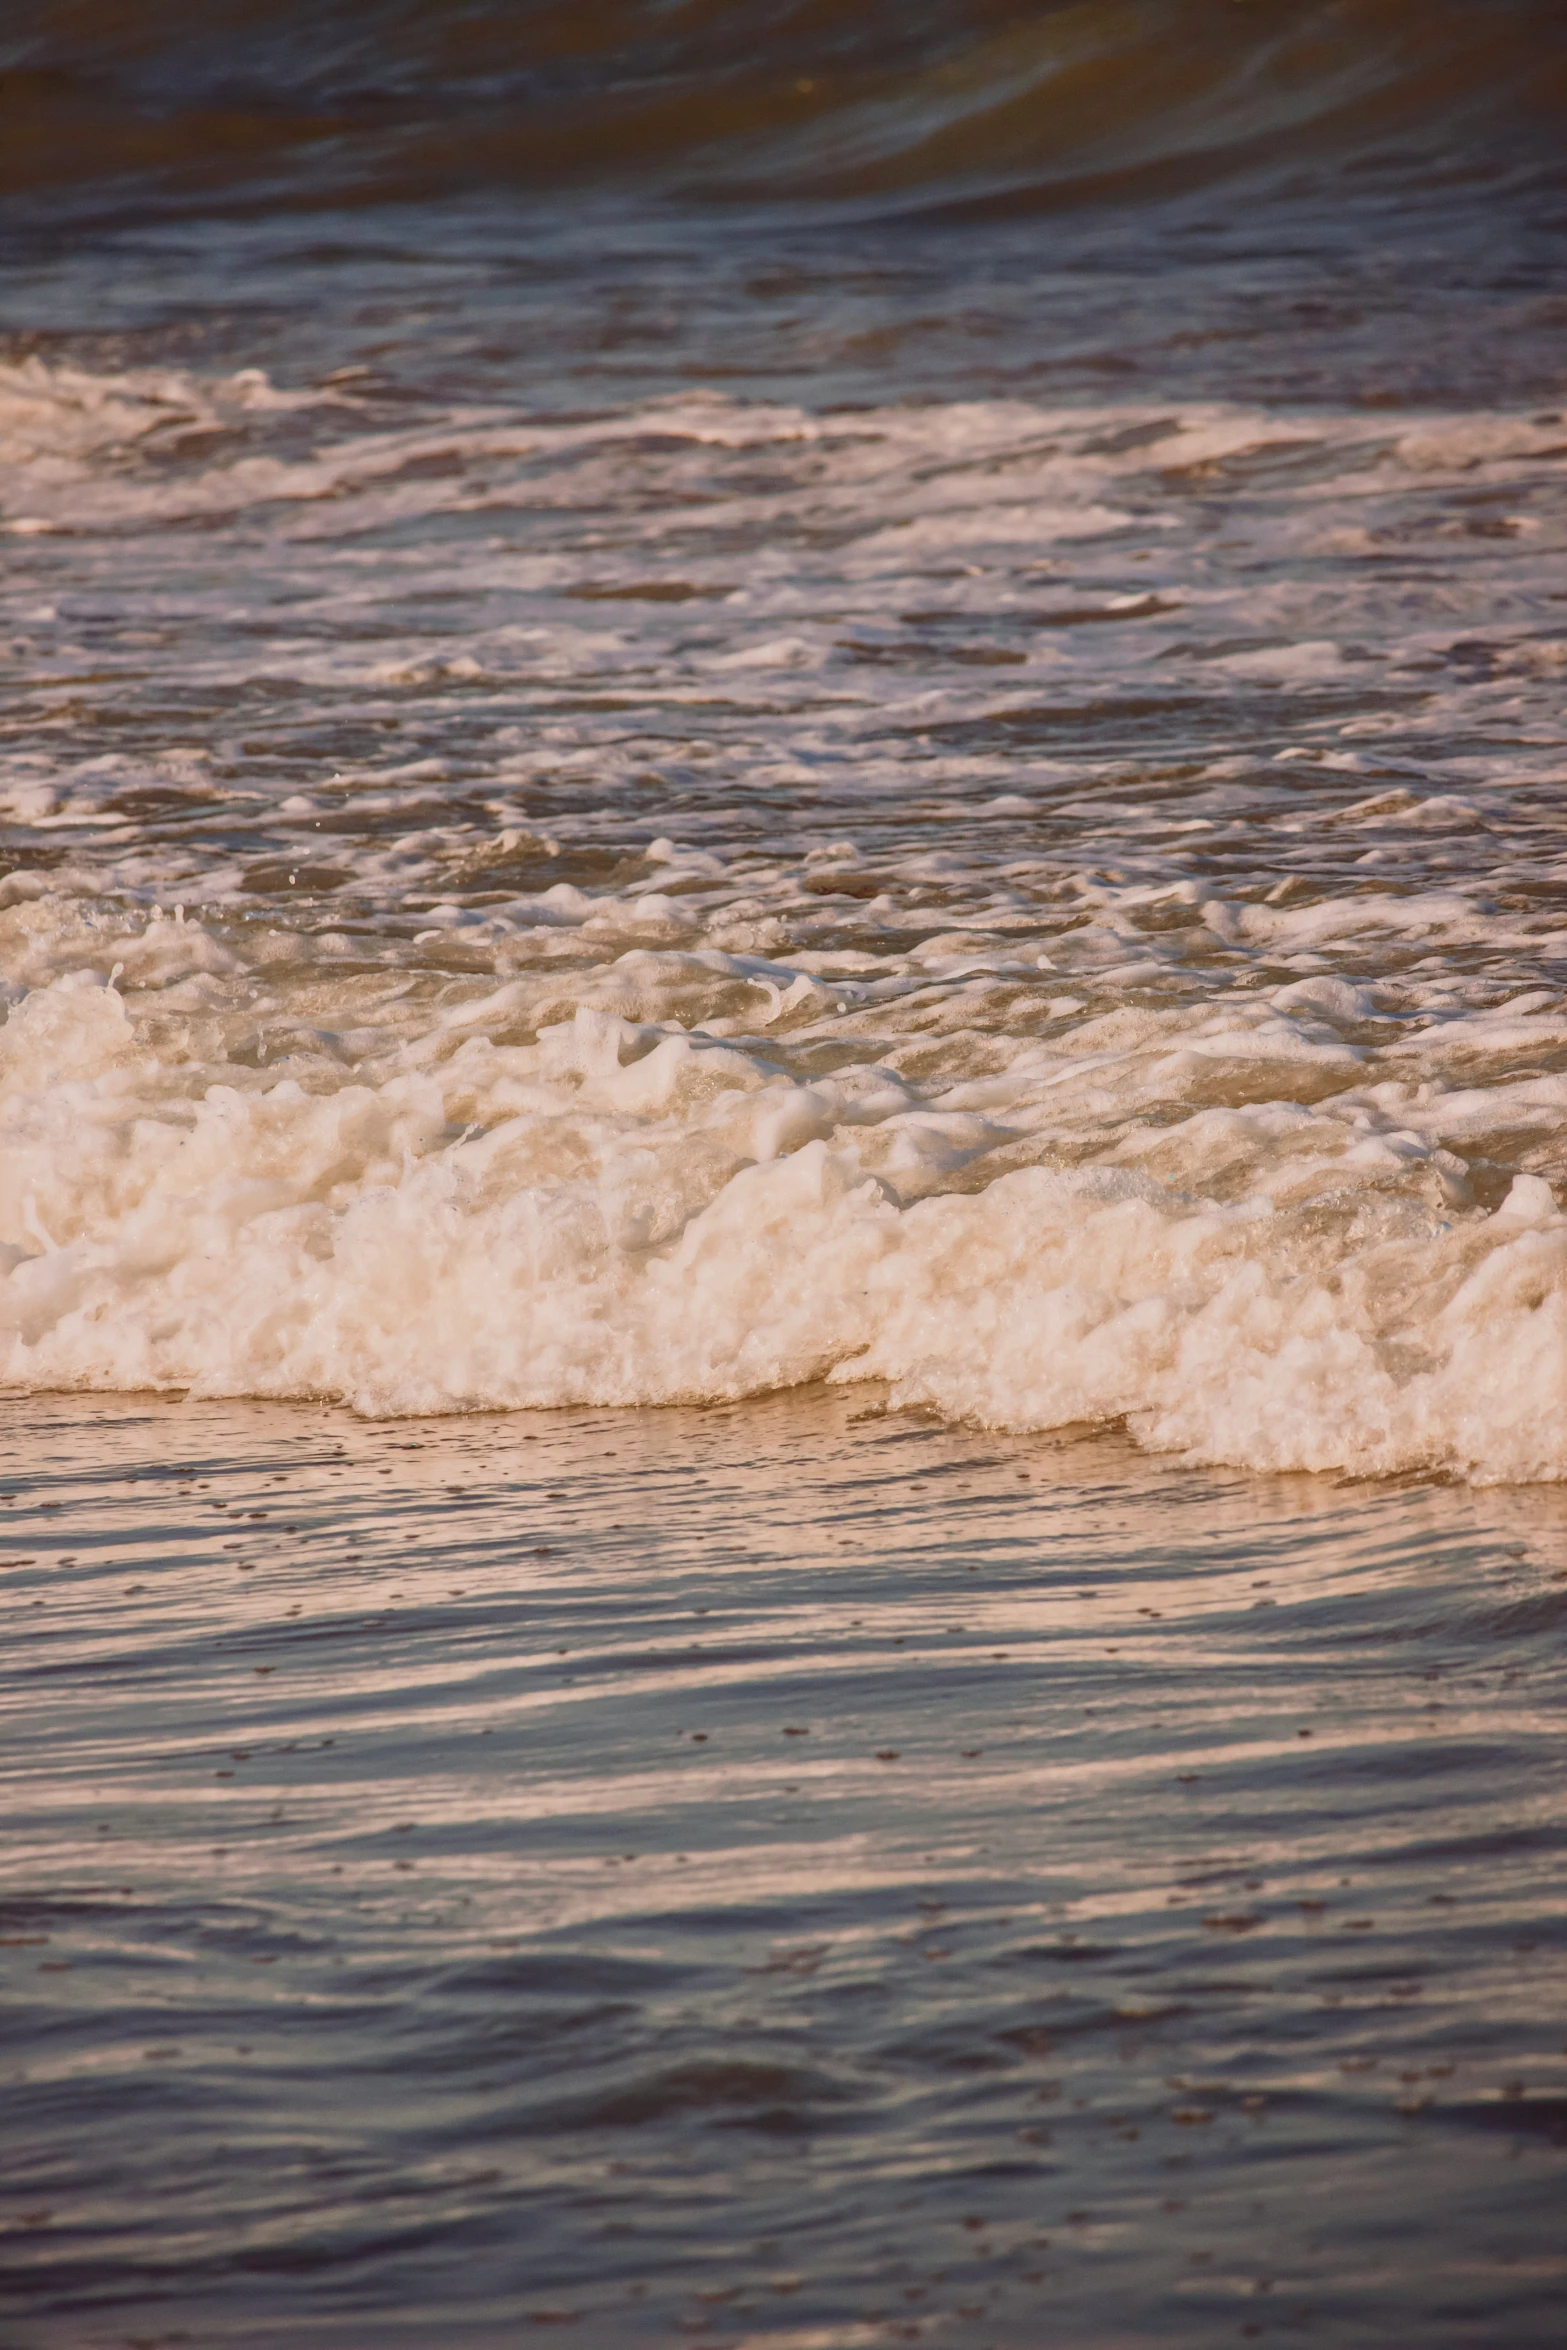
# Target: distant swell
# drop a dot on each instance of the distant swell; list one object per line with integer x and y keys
{"x": 919, "y": 104}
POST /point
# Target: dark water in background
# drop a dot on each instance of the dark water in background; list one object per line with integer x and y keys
{"x": 1360, "y": 200}
{"x": 924, "y": 104}
{"x": 988, "y": 584}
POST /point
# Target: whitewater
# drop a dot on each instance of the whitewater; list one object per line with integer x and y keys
{"x": 1050, "y": 907}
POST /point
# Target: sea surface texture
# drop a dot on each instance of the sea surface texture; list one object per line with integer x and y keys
{"x": 793, "y": 1878}
{"x": 734, "y": 734}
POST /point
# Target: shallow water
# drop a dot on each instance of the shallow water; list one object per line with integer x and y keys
{"x": 795, "y": 1875}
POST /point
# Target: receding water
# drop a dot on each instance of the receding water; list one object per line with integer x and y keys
{"x": 791, "y": 1875}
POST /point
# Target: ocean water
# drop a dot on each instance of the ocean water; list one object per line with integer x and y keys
{"x": 799, "y": 1874}
{"x": 782, "y": 909}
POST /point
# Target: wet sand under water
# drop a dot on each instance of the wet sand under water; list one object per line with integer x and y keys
{"x": 790, "y": 1875}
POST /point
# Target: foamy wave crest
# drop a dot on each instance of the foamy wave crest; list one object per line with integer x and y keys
{"x": 643, "y": 1213}
{"x": 1049, "y": 909}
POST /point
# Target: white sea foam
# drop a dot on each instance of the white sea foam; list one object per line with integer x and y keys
{"x": 635, "y": 1213}
{"x": 902, "y": 907}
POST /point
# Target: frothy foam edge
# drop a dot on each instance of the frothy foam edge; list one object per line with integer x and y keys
{"x": 554, "y": 1223}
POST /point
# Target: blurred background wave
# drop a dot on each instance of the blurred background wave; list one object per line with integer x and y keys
{"x": 888, "y": 104}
